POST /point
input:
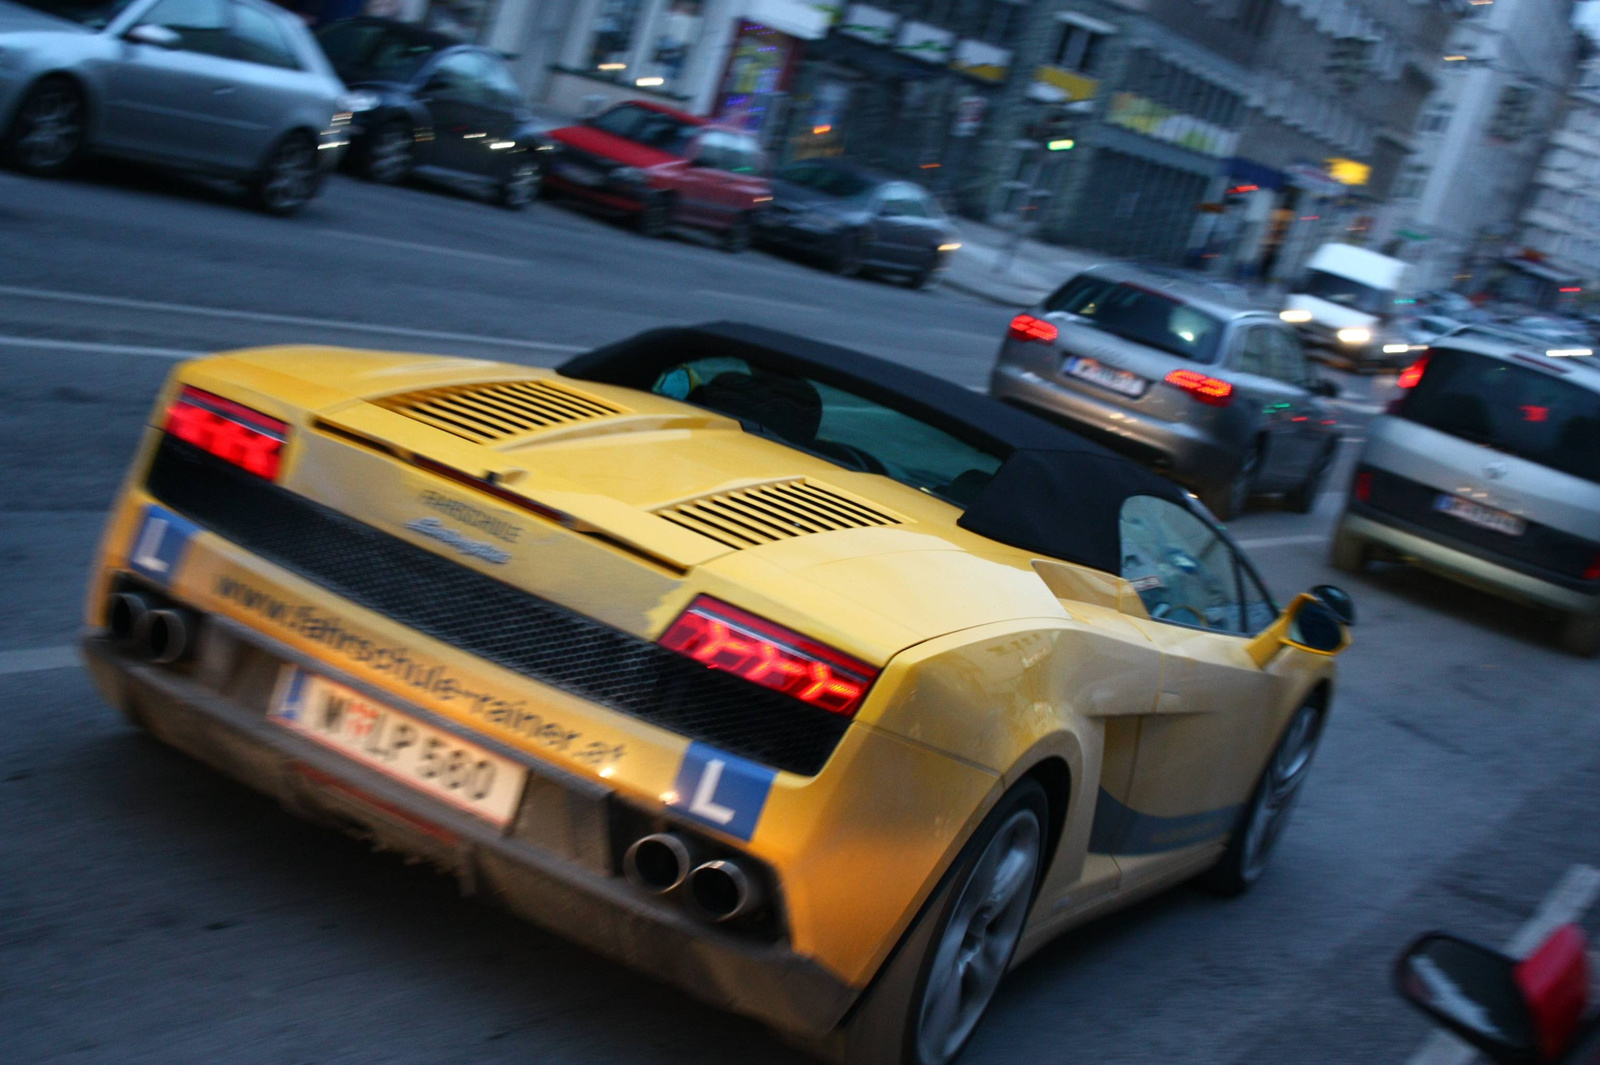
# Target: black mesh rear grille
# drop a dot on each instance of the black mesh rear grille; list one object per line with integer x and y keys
{"x": 491, "y": 619}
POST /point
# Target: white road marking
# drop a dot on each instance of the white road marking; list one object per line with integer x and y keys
{"x": 50, "y": 344}
{"x": 1569, "y": 900}
{"x": 38, "y": 659}
{"x": 429, "y": 249}
{"x": 1284, "y": 541}
{"x": 281, "y": 319}
{"x": 770, "y": 301}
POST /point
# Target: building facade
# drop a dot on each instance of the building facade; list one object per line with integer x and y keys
{"x": 1558, "y": 234}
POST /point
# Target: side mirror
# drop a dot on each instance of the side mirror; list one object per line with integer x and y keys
{"x": 1337, "y": 600}
{"x": 156, "y": 36}
{"x": 1314, "y": 627}
{"x": 1321, "y": 386}
{"x": 1472, "y": 991}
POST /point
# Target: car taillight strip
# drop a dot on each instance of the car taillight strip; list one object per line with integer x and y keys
{"x": 1027, "y": 327}
{"x": 1411, "y": 375}
{"x": 1205, "y": 388}
{"x": 724, "y": 637}
{"x": 231, "y": 431}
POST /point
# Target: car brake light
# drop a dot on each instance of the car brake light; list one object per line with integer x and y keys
{"x": 1554, "y": 981}
{"x": 1593, "y": 572}
{"x": 232, "y": 432}
{"x": 1363, "y": 486}
{"x": 724, "y": 637}
{"x": 1212, "y": 390}
{"x": 1027, "y": 327}
{"x": 1413, "y": 373}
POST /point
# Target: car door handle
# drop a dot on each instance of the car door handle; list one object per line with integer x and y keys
{"x": 224, "y": 90}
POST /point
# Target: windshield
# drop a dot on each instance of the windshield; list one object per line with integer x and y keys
{"x": 1345, "y": 292}
{"x": 365, "y": 52}
{"x": 647, "y": 126}
{"x": 835, "y": 425}
{"x": 828, "y": 180}
{"x": 1141, "y": 315}
{"x": 84, "y": 12}
{"x": 1519, "y": 410}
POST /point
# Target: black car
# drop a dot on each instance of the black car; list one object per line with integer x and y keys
{"x": 853, "y": 219}
{"x": 424, "y": 103}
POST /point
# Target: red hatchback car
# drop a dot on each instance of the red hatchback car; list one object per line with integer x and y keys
{"x": 664, "y": 167}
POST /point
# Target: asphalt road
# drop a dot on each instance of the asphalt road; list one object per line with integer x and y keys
{"x": 153, "y": 911}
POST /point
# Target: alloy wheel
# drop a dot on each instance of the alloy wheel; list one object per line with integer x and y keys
{"x": 521, "y": 186}
{"x": 389, "y": 157}
{"x": 50, "y": 127}
{"x": 977, "y": 943}
{"x": 290, "y": 176}
{"x": 1244, "y": 482}
{"x": 1279, "y": 787}
{"x": 655, "y": 216}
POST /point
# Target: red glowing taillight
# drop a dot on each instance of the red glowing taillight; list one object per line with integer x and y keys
{"x": 232, "y": 432}
{"x": 1413, "y": 373}
{"x": 724, "y": 637}
{"x": 1206, "y": 389}
{"x": 1027, "y": 327}
{"x": 1593, "y": 572}
{"x": 1362, "y": 486}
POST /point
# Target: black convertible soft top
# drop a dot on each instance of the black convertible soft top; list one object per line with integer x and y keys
{"x": 1055, "y": 492}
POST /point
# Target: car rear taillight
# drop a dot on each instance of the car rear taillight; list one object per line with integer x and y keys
{"x": 232, "y": 432}
{"x": 1554, "y": 982}
{"x": 1593, "y": 572}
{"x": 723, "y": 637}
{"x": 1027, "y": 327}
{"x": 1413, "y": 373}
{"x": 1362, "y": 486}
{"x": 1206, "y": 389}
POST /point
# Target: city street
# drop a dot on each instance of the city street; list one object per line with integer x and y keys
{"x": 153, "y": 911}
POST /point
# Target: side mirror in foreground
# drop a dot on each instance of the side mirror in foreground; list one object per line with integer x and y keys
{"x": 1337, "y": 600}
{"x": 1308, "y": 624}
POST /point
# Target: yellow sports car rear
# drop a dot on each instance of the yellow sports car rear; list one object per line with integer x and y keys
{"x": 820, "y": 688}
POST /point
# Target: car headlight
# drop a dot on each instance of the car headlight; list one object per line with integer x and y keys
{"x": 1354, "y": 336}
{"x": 358, "y": 101}
{"x": 1295, "y": 315}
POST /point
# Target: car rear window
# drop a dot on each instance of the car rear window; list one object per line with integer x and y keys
{"x": 646, "y": 125}
{"x": 361, "y": 51}
{"x": 1516, "y": 409}
{"x": 1141, "y": 315}
{"x": 835, "y": 425}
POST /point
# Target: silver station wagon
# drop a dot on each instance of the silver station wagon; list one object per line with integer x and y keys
{"x": 236, "y": 88}
{"x": 1218, "y": 397}
{"x": 1487, "y": 470}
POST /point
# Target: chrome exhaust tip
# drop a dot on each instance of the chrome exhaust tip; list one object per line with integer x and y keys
{"x": 659, "y": 862}
{"x": 722, "y": 891}
{"x": 124, "y": 615}
{"x": 164, "y": 635}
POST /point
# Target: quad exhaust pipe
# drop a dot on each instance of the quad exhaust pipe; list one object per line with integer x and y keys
{"x": 159, "y": 634}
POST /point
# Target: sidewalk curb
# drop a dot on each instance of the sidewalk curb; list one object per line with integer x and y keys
{"x": 987, "y": 294}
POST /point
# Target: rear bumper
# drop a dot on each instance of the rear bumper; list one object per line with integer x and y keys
{"x": 1185, "y": 452}
{"x": 554, "y": 867}
{"x": 1467, "y": 567}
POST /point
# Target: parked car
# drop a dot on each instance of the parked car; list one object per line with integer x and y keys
{"x": 853, "y": 219}
{"x": 235, "y": 88}
{"x": 422, "y": 103}
{"x": 1342, "y": 304}
{"x": 1218, "y": 397}
{"x": 1487, "y": 470}
{"x": 664, "y": 168}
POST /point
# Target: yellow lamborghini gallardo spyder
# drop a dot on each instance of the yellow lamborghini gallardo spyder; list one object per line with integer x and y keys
{"x": 821, "y": 688}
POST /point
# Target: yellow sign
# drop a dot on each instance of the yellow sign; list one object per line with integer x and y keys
{"x": 1348, "y": 171}
{"x": 1074, "y": 86}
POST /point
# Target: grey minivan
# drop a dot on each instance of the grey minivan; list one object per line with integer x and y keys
{"x": 1487, "y": 470}
{"x": 1218, "y": 397}
{"x": 236, "y": 88}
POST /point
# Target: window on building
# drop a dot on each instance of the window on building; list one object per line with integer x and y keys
{"x": 1413, "y": 179}
{"x": 1003, "y": 22}
{"x": 615, "y": 24}
{"x": 1077, "y": 48}
{"x": 1436, "y": 117}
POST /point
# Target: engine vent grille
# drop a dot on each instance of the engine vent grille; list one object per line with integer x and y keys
{"x": 764, "y": 514}
{"x": 488, "y": 414}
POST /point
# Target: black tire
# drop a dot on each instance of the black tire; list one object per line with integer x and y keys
{"x": 848, "y": 255}
{"x": 1580, "y": 635}
{"x": 388, "y": 153}
{"x": 737, "y": 236}
{"x": 655, "y": 218}
{"x": 1265, "y": 816}
{"x": 48, "y": 133}
{"x": 288, "y": 177}
{"x": 1303, "y": 498}
{"x": 1348, "y": 552}
{"x": 922, "y": 278}
{"x": 1227, "y": 500}
{"x": 520, "y": 186}
{"x": 890, "y": 1024}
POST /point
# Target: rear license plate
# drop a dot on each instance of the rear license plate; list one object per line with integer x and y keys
{"x": 427, "y": 758}
{"x": 580, "y": 174}
{"x": 1478, "y": 514}
{"x": 1098, "y": 373}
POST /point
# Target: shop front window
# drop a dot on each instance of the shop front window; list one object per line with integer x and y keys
{"x": 614, "y": 27}
{"x": 675, "y": 31}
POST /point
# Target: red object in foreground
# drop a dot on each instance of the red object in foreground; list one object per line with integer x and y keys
{"x": 1413, "y": 373}
{"x": 724, "y": 637}
{"x": 1363, "y": 486}
{"x": 231, "y": 431}
{"x": 1027, "y": 327}
{"x": 1554, "y": 981}
{"x": 1212, "y": 390}
{"x": 1593, "y": 572}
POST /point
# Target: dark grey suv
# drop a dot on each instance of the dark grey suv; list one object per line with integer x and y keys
{"x": 1219, "y": 397}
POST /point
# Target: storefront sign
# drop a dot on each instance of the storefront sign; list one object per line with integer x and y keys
{"x": 871, "y": 24}
{"x": 1132, "y": 111}
{"x": 1056, "y": 85}
{"x": 1348, "y": 171}
{"x": 926, "y": 42}
{"x": 805, "y": 21}
{"x": 987, "y": 62}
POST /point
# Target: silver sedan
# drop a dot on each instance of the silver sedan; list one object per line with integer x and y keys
{"x": 235, "y": 88}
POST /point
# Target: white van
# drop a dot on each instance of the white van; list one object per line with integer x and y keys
{"x": 1343, "y": 302}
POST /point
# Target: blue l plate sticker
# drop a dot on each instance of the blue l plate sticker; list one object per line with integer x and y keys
{"x": 159, "y": 544}
{"x": 722, "y": 790}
